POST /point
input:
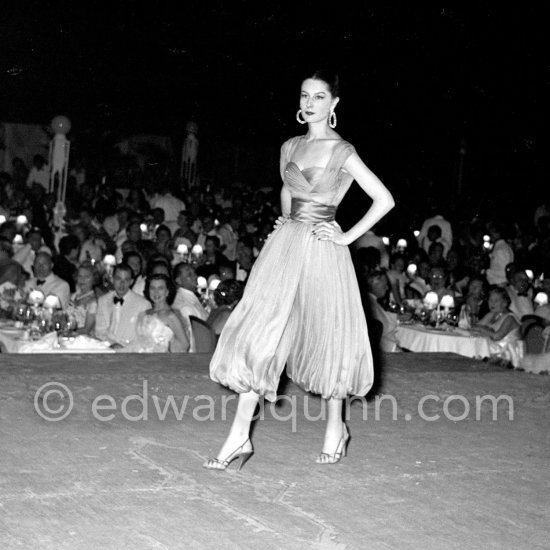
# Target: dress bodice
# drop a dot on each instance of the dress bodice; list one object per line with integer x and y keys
{"x": 325, "y": 185}
{"x": 152, "y": 334}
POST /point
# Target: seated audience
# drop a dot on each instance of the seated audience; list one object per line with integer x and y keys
{"x": 27, "y": 253}
{"x": 521, "y": 294}
{"x": 118, "y": 310}
{"x": 226, "y": 296}
{"x": 160, "y": 328}
{"x": 65, "y": 265}
{"x": 377, "y": 286}
{"x": 501, "y": 327}
{"x": 10, "y": 270}
{"x": 83, "y": 302}
{"x": 47, "y": 281}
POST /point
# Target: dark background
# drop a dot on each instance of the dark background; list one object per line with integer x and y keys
{"x": 417, "y": 82}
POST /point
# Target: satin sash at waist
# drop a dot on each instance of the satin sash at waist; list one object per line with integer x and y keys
{"x": 311, "y": 212}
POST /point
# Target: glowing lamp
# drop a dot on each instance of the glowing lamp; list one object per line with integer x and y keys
{"x": 213, "y": 284}
{"x": 416, "y": 233}
{"x": 36, "y": 297}
{"x": 201, "y": 283}
{"x": 431, "y": 300}
{"x": 2, "y": 219}
{"x": 143, "y": 227}
{"x": 411, "y": 270}
{"x": 22, "y": 219}
{"x": 541, "y": 299}
{"x": 109, "y": 260}
{"x": 487, "y": 245}
{"x": 486, "y": 238}
{"x": 401, "y": 243}
{"x": 530, "y": 274}
{"x": 18, "y": 239}
{"x": 182, "y": 249}
{"x": 386, "y": 241}
{"x": 52, "y": 302}
{"x": 447, "y": 302}
{"x": 61, "y": 125}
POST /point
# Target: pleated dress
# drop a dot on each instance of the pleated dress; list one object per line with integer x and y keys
{"x": 301, "y": 306}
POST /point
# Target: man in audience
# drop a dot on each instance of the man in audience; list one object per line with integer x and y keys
{"x": 39, "y": 173}
{"x": 27, "y": 253}
{"x": 521, "y": 294}
{"x": 117, "y": 311}
{"x": 186, "y": 300}
{"x": 434, "y": 236}
{"x": 47, "y": 281}
{"x": 501, "y": 255}
{"x": 436, "y": 218}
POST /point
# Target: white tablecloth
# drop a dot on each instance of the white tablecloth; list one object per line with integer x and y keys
{"x": 16, "y": 340}
{"x": 421, "y": 339}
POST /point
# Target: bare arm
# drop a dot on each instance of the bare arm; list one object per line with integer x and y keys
{"x": 177, "y": 324}
{"x": 382, "y": 199}
{"x": 382, "y": 203}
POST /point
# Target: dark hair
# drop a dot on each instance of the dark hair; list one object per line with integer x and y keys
{"x": 169, "y": 285}
{"x": 214, "y": 239}
{"x": 330, "y": 78}
{"x": 228, "y": 292}
{"x": 5, "y": 245}
{"x": 123, "y": 267}
{"x": 67, "y": 244}
{"x": 132, "y": 254}
{"x": 503, "y": 293}
{"x": 435, "y": 229}
{"x": 163, "y": 227}
{"x": 182, "y": 267}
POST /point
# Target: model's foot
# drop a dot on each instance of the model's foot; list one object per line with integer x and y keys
{"x": 334, "y": 447}
{"x": 243, "y": 452}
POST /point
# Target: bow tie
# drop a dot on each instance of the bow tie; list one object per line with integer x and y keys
{"x": 40, "y": 282}
{"x": 117, "y": 300}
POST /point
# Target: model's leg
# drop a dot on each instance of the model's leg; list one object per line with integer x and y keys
{"x": 237, "y": 442}
{"x": 336, "y": 435}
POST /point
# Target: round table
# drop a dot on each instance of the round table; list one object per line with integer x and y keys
{"x": 420, "y": 338}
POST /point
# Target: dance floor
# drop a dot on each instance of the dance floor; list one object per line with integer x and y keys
{"x": 106, "y": 452}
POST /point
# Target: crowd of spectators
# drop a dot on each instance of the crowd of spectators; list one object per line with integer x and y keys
{"x": 145, "y": 224}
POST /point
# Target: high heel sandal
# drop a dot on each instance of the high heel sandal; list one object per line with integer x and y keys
{"x": 217, "y": 464}
{"x": 339, "y": 453}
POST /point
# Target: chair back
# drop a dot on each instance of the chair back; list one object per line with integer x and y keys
{"x": 532, "y": 335}
{"x": 204, "y": 335}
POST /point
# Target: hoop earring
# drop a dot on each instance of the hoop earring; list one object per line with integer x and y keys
{"x": 298, "y": 117}
{"x": 332, "y": 119}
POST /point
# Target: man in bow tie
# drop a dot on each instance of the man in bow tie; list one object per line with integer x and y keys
{"x": 521, "y": 294}
{"x": 45, "y": 280}
{"x": 117, "y": 311}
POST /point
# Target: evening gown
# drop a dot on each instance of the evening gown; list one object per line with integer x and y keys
{"x": 301, "y": 306}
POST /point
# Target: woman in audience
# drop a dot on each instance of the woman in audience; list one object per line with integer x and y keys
{"x": 397, "y": 277}
{"x": 83, "y": 302}
{"x": 226, "y": 297}
{"x": 501, "y": 327}
{"x": 475, "y": 305}
{"x": 161, "y": 328}
{"x": 438, "y": 282}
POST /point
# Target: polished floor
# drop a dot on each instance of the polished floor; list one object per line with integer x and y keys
{"x": 117, "y": 463}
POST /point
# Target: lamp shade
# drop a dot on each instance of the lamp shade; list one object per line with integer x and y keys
{"x": 61, "y": 125}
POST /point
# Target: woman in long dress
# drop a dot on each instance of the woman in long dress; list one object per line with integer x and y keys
{"x": 162, "y": 328}
{"x": 301, "y": 305}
